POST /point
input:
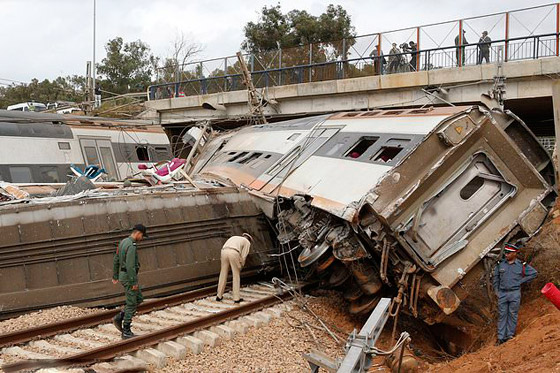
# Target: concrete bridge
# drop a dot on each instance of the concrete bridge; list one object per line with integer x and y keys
{"x": 358, "y": 79}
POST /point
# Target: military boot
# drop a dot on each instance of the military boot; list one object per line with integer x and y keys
{"x": 117, "y": 321}
{"x": 126, "y": 332}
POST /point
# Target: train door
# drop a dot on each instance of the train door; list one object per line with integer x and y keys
{"x": 100, "y": 152}
{"x": 442, "y": 225}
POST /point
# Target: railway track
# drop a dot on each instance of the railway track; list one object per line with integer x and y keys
{"x": 167, "y": 327}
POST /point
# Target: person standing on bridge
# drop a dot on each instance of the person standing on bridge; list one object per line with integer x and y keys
{"x": 125, "y": 271}
{"x": 484, "y": 48}
{"x": 509, "y": 274}
{"x": 413, "y": 49}
{"x": 234, "y": 253}
{"x": 460, "y": 43}
{"x": 395, "y": 56}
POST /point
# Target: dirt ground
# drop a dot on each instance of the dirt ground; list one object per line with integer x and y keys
{"x": 536, "y": 348}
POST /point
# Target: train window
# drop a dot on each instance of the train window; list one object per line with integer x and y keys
{"x": 21, "y": 174}
{"x": 471, "y": 188}
{"x": 252, "y": 157}
{"x": 361, "y": 146}
{"x": 162, "y": 153}
{"x": 387, "y": 154}
{"x": 294, "y": 136}
{"x": 49, "y": 175}
{"x": 91, "y": 155}
{"x": 267, "y": 156}
{"x": 64, "y": 145}
{"x": 240, "y": 155}
{"x": 142, "y": 153}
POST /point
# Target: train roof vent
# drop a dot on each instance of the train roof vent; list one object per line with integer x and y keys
{"x": 393, "y": 112}
{"x": 421, "y": 111}
{"x": 370, "y": 113}
{"x": 351, "y": 115}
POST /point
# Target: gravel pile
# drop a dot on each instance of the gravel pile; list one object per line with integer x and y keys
{"x": 278, "y": 346}
{"x": 43, "y": 317}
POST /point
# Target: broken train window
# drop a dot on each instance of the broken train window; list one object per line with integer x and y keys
{"x": 390, "y": 150}
{"x": 361, "y": 146}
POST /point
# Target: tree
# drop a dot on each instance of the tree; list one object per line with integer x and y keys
{"x": 127, "y": 66}
{"x": 298, "y": 28}
{"x": 70, "y": 88}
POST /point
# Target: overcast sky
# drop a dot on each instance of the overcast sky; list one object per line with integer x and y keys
{"x": 50, "y": 38}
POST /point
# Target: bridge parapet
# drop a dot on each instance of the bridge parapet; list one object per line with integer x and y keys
{"x": 525, "y": 34}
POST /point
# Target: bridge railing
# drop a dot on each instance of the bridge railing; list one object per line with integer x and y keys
{"x": 528, "y": 33}
{"x": 522, "y": 48}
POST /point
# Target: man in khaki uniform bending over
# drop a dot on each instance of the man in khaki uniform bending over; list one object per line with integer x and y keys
{"x": 234, "y": 253}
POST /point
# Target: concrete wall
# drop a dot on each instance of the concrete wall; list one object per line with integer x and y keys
{"x": 525, "y": 79}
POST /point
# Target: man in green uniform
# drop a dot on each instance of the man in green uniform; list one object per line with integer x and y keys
{"x": 125, "y": 271}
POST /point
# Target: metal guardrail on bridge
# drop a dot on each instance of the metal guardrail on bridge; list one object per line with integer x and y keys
{"x": 529, "y": 33}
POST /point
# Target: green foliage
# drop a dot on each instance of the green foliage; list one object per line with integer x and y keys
{"x": 298, "y": 28}
{"x": 127, "y": 66}
{"x": 70, "y": 88}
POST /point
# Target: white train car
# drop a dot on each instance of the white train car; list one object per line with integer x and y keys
{"x": 407, "y": 202}
{"x": 40, "y": 148}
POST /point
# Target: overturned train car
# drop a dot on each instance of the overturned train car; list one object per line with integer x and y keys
{"x": 59, "y": 251}
{"x": 408, "y": 202}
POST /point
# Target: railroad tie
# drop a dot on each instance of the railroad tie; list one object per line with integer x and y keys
{"x": 154, "y": 319}
{"x": 70, "y": 339}
{"x": 121, "y": 364}
{"x": 210, "y": 338}
{"x": 223, "y": 331}
{"x": 192, "y": 343}
{"x": 98, "y": 334}
{"x": 56, "y": 370}
{"x": 60, "y": 350}
{"x": 265, "y": 317}
{"x": 108, "y": 329}
{"x": 252, "y": 321}
{"x": 28, "y": 355}
{"x": 173, "y": 349}
{"x": 152, "y": 356}
{"x": 238, "y": 325}
{"x": 180, "y": 318}
{"x": 214, "y": 304}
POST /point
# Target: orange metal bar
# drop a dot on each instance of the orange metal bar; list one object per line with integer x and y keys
{"x": 507, "y": 37}
{"x": 379, "y": 58}
{"x": 557, "y": 27}
{"x": 460, "y": 50}
{"x": 418, "y": 48}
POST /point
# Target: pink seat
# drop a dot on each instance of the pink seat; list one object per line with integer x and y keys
{"x": 173, "y": 165}
{"x": 142, "y": 166}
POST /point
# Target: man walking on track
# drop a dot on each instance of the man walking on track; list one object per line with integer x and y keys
{"x": 125, "y": 271}
{"x": 509, "y": 274}
{"x": 234, "y": 253}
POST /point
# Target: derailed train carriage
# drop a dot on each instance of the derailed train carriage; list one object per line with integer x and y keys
{"x": 409, "y": 202}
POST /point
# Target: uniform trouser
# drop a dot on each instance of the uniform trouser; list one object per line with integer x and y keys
{"x": 132, "y": 299}
{"x": 484, "y": 54}
{"x": 508, "y": 307}
{"x": 230, "y": 258}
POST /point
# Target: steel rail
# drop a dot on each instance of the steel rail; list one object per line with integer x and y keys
{"x": 26, "y": 335}
{"x": 113, "y": 350}
{"x": 42, "y": 331}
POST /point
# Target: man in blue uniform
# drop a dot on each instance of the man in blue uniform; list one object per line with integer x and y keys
{"x": 125, "y": 271}
{"x": 509, "y": 274}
